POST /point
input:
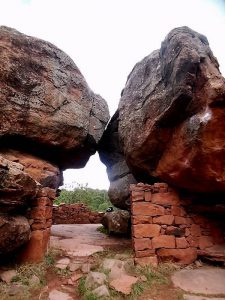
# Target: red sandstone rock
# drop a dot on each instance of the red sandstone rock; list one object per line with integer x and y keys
{"x": 14, "y": 232}
{"x": 176, "y": 231}
{"x": 193, "y": 241}
{"x": 141, "y": 219}
{"x": 147, "y": 261}
{"x": 145, "y": 208}
{"x": 146, "y": 230}
{"x": 181, "y": 243}
{"x": 169, "y": 198}
{"x": 147, "y": 196}
{"x": 48, "y": 175}
{"x": 167, "y": 220}
{"x": 171, "y": 115}
{"x": 35, "y": 249}
{"x": 145, "y": 253}
{"x": 178, "y": 211}
{"x": 142, "y": 244}
{"x": 47, "y": 107}
{"x": 163, "y": 241}
{"x": 195, "y": 230}
{"x": 205, "y": 242}
{"x": 17, "y": 188}
{"x": 182, "y": 256}
{"x": 182, "y": 220}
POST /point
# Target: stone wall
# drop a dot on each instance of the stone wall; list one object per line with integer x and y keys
{"x": 39, "y": 215}
{"x": 75, "y": 214}
{"x": 165, "y": 227}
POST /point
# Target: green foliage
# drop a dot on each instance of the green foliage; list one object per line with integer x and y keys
{"x": 95, "y": 199}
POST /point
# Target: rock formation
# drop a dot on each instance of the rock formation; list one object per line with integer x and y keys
{"x": 47, "y": 108}
{"x": 50, "y": 120}
{"x": 111, "y": 154}
{"x": 171, "y": 115}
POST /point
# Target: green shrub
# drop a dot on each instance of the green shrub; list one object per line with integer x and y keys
{"x": 95, "y": 199}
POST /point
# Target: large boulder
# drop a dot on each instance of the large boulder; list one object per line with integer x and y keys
{"x": 117, "y": 221}
{"x": 14, "y": 232}
{"x": 171, "y": 115}
{"x": 47, "y": 108}
{"x": 111, "y": 154}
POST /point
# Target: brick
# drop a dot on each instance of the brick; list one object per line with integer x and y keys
{"x": 169, "y": 198}
{"x": 148, "y": 196}
{"x": 137, "y": 196}
{"x": 195, "y": 230}
{"x": 164, "y": 220}
{"x": 147, "y": 261}
{"x": 144, "y": 253}
{"x": 176, "y": 231}
{"x": 181, "y": 256}
{"x": 38, "y": 225}
{"x": 187, "y": 232}
{"x": 48, "y": 223}
{"x": 35, "y": 249}
{"x": 182, "y": 220}
{"x": 193, "y": 241}
{"x": 146, "y": 230}
{"x": 48, "y": 212}
{"x": 141, "y": 220}
{"x": 38, "y": 213}
{"x": 142, "y": 244}
{"x": 181, "y": 243}
{"x": 205, "y": 242}
{"x": 178, "y": 211}
{"x": 163, "y": 241}
{"x": 199, "y": 220}
{"x": 146, "y": 208}
{"x": 47, "y": 192}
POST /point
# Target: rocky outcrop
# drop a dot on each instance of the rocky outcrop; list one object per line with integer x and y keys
{"x": 47, "y": 108}
{"x": 47, "y": 174}
{"x": 111, "y": 154}
{"x": 50, "y": 121}
{"x": 14, "y": 232}
{"x": 171, "y": 115}
{"x": 16, "y": 186}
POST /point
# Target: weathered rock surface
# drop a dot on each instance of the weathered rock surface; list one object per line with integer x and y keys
{"x": 207, "y": 281}
{"x": 16, "y": 186}
{"x": 111, "y": 154}
{"x": 14, "y": 232}
{"x": 47, "y": 174}
{"x": 117, "y": 221}
{"x": 47, "y": 108}
{"x": 171, "y": 115}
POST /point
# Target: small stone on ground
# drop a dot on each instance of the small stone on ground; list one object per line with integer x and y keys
{"x": 123, "y": 284}
{"x": 7, "y": 276}
{"x": 101, "y": 291}
{"x": 57, "y": 295}
{"x": 192, "y": 297}
{"x": 206, "y": 281}
{"x": 95, "y": 279}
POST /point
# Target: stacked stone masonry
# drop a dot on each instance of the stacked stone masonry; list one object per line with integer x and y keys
{"x": 40, "y": 218}
{"x": 164, "y": 226}
{"x": 77, "y": 213}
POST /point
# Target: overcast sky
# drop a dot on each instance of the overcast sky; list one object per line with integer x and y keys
{"x": 106, "y": 38}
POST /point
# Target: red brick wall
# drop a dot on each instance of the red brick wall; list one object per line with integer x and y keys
{"x": 40, "y": 218}
{"x": 165, "y": 228}
{"x": 75, "y": 214}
